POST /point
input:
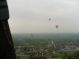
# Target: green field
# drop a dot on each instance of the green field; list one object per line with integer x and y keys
{"x": 61, "y": 46}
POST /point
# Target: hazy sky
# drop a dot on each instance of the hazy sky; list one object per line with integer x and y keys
{"x": 31, "y": 16}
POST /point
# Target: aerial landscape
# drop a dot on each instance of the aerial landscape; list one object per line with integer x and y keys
{"x": 45, "y": 29}
{"x": 47, "y": 46}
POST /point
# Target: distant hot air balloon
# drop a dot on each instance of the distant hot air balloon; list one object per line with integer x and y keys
{"x": 49, "y": 19}
{"x": 57, "y": 26}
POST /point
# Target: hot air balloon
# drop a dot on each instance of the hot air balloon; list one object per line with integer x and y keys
{"x": 57, "y": 26}
{"x": 49, "y": 19}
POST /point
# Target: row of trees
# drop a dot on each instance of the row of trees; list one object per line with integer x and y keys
{"x": 64, "y": 55}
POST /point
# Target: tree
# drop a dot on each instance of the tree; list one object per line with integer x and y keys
{"x": 75, "y": 55}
